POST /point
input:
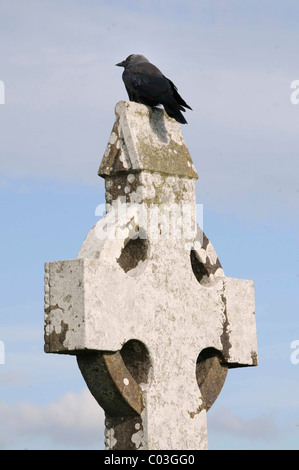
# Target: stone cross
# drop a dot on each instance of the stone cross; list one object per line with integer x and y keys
{"x": 146, "y": 307}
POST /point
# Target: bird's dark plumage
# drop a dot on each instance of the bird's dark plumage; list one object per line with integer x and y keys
{"x": 146, "y": 84}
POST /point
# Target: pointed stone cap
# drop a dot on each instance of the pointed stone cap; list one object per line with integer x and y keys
{"x": 146, "y": 139}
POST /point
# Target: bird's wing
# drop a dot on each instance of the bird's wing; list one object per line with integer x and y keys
{"x": 146, "y": 84}
{"x": 176, "y": 95}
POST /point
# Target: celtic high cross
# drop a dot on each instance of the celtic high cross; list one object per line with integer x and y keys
{"x": 146, "y": 308}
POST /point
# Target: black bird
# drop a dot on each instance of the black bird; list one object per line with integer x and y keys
{"x": 146, "y": 84}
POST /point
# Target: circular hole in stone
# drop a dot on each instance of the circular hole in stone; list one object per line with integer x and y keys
{"x": 137, "y": 360}
{"x": 134, "y": 256}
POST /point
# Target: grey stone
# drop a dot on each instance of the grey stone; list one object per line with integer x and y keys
{"x": 146, "y": 307}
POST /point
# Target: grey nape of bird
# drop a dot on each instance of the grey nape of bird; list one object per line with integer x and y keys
{"x": 146, "y": 84}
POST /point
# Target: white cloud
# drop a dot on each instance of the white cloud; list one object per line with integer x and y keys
{"x": 73, "y": 421}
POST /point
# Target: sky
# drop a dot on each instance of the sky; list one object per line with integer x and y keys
{"x": 234, "y": 63}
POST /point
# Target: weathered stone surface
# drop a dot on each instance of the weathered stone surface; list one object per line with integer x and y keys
{"x": 146, "y": 307}
{"x": 146, "y": 139}
{"x": 89, "y": 310}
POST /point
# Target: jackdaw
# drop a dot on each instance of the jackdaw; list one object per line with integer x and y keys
{"x": 146, "y": 84}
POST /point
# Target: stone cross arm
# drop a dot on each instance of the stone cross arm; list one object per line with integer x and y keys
{"x": 88, "y": 311}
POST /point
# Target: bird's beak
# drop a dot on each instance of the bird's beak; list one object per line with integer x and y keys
{"x": 121, "y": 64}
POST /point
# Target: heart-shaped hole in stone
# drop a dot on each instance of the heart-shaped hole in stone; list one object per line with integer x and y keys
{"x": 211, "y": 373}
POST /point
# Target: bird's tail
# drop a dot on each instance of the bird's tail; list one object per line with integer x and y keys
{"x": 176, "y": 114}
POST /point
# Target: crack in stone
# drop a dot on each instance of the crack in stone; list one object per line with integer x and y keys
{"x": 224, "y": 337}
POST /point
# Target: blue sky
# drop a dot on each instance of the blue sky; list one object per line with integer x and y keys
{"x": 233, "y": 62}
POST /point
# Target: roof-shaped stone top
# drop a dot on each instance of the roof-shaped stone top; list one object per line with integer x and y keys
{"x": 146, "y": 139}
